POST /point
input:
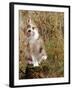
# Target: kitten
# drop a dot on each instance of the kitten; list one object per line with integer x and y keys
{"x": 35, "y": 46}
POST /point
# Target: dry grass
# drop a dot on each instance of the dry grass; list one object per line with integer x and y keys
{"x": 51, "y": 29}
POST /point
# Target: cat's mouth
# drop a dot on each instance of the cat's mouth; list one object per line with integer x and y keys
{"x": 28, "y": 34}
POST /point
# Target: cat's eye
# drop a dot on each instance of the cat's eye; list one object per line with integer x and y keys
{"x": 33, "y": 28}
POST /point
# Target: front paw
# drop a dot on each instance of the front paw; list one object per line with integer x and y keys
{"x": 44, "y": 57}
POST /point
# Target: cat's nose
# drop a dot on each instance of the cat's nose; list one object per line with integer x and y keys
{"x": 29, "y": 30}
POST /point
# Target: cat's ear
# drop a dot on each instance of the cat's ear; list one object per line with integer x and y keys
{"x": 29, "y": 20}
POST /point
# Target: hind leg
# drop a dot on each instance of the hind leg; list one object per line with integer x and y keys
{"x": 35, "y": 62}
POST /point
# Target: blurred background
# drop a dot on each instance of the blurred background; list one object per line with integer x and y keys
{"x": 51, "y": 29}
